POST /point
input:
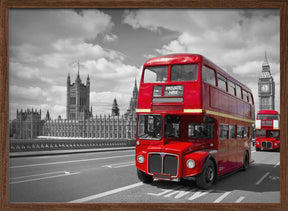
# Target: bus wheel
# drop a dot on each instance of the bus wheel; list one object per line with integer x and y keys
{"x": 257, "y": 149}
{"x": 145, "y": 178}
{"x": 207, "y": 177}
{"x": 246, "y": 161}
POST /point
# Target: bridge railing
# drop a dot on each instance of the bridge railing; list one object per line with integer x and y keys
{"x": 24, "y": 145}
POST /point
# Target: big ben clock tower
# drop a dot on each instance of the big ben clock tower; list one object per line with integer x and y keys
{"x": 266, "y": 88}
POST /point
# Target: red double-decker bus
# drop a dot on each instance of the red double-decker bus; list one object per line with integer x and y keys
{"x": 193, "y": 121}
{"x": 267, "y": 130}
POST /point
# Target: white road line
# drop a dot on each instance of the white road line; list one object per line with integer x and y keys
{"x": 240, "y": 199}
{"x": 262, "y": 178}
{"x": 35, "y": 175}
{"x": 277, "y": 164}
{"x": 131, "y": 164}
{"x": 222, "y": 197}
{"x": 69, "y": 161}
{"x": 198, "y": 194}
{"x": 253, "y": 151}
{"x": 107, "y": 193}
{"x": 118, "y": 165}
{"x": 41, "y": 178}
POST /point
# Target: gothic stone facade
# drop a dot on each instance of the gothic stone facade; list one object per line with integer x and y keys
{"x": 80, "y": 123}
{"x": 78, "y": 99}
{"x": 28, "y": 124}
{"x": 102, "y": 127}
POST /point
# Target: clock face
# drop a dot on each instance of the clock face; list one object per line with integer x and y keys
{"x": 265, "y": 88}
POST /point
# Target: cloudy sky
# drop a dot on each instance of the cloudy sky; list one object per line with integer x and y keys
{"x": 112, "y": 45}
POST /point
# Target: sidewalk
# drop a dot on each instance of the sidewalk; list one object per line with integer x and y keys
{"x": 60, "y": 152}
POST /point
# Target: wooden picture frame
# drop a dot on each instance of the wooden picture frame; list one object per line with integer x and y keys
{"x": 5, "y": 5}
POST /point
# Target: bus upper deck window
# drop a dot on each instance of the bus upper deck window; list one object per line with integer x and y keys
{"x": 156, "y": 74}
{"x": 184, "y": 72}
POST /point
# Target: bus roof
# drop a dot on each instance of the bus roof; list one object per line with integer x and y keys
{"x": 267, "y": 112}
{"x": 190, "y": 58}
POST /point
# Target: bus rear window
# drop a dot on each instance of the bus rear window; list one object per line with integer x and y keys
{"x": 155, "y": 74}
{"x": 184, "y": 72}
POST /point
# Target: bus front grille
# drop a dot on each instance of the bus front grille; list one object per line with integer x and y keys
{"x": 267, "y": 144}
{"x": 165, "y": 164}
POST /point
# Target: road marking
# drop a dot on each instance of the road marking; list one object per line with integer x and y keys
{"x": 222, "y": 197}
{"x": 107, "y": 193}
{"x": 253, "y": 151}
{"x": 42, "y": 178}
{"x": 70, "y": 161}
{"x": 119, "y": 165}
{"x": 198, "y": 194}
{"x": 35, "y": 175}
{"x": 277, "y": 164}
{"x": 240, "y": 199}
{"x": 160, "y": 194}
{"x": 180, "y": 193}
{"x": 262, "y": 178}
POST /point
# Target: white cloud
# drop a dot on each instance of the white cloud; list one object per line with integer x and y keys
{"x": 110, "y": 37}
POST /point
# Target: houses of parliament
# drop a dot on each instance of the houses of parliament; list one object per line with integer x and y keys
{"x": 79, "y": 122}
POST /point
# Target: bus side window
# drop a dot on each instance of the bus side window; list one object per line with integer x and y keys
{"x": 208, "y": 75}
{"x": 231, "y": 88}
{"x": 222, "y": 82}
{"x": 245, "y": 96}
{"x": 239, "y": 132}
{"x": 238, "y": 91}
{"x": 223, "y": 131}
{"x": 232, "y": 131}
{"x": 250, "y": 99}
{"x": 246, "y": 132}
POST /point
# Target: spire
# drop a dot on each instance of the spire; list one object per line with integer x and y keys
{"x": 265, "y": 63}
{"x": 88, "y": 80}
{"x": 265, "y": 68}
{"x": 115, "y": 109}
{"x": 78, "y": 75}
{"x": 78, "y": 68}
{"x": 68, "y": 78}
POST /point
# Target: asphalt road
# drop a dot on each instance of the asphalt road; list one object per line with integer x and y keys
{"x": 111, "y": 177}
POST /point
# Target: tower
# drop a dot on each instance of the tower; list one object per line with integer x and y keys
{"x": 133, "y": 102}
{"x": 115, "y": 109}
{"x": 266, "y": 88}
{"x": 78, "y": 98}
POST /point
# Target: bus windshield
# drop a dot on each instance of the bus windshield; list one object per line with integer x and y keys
{"x": 172, "y": 126}
{"x": 184, "y": 72}
{"x": 273, "y": 134}
{"x": 260, "y": 133}
{"x": 156, "y": 74}
{"x": 150, "y": 127}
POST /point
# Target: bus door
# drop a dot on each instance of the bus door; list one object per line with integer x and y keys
{"x": 223, "y": 149}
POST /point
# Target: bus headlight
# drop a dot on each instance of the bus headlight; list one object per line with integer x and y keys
{"x": 275, "y": 144}
{"x": 137, "y": 143}
{"x": 257, "y": 142}
{"x": 190, "y": 163}
{"x": 140, "y": 159}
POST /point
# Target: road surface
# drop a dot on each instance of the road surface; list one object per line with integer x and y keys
{"x": 110, "y": 177}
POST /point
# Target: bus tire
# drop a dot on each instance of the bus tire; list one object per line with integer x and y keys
{"x": 145, "y": 178}
{"x": 245, "y": 161}
{"x": 207, "y": 176}
{"x": 257, "y": 149}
